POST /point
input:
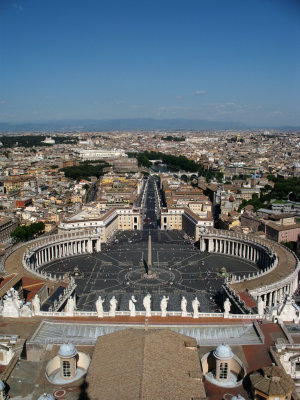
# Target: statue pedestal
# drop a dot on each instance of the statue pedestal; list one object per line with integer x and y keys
{"x": 11, "y": 310}
{"x": 149, "y": 276}
{"x": 183, "y": 313}
{"x": 69, "y": 313}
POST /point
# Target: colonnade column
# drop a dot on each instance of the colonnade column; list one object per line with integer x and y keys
{"x": 98, "y": 245}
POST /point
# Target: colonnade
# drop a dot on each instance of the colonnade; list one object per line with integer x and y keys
{"x": 262, "y": 253}
{"x": 249, "y": 251}
{"x": 272, "y": 297}
{"x": 55, "y": 251}
{"x": 60, "y": 246}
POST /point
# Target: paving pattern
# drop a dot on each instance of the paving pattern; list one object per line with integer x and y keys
{"x": 179, "y": 268}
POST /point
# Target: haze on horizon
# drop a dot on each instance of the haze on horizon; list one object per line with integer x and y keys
{"x": 196, "y": 59}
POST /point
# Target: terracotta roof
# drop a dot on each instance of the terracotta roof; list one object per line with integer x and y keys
{"x": 8, "y": 282}
{"x": 272, "y": 381}
{"x": 139, "y": 364}
{"x": 248, "y": 300}
{"x": 32, "y": 286}
{"x": 5, "y": 279}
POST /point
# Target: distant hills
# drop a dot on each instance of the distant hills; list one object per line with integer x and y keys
{"x": 127, "y": 124}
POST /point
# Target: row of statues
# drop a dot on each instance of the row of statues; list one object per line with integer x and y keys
{"x": 13, "y": 306}
{"x": 147, "y": 306}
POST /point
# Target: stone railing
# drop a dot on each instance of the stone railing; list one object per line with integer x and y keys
{"x": 68, "y": 291}
{"x": 254, "y": 275}
{"x": 143, "y": 314}
{"x": 11, "y": 251}
{"x": 236, "y": 299}
{"x": 234, "y": 235}
{"x": 61, "y": 237}
{"x": 276, "y": 285}
{"x": 284, "y": 281}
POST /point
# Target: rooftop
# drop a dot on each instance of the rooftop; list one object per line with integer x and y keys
{"x": 139, "y": 364}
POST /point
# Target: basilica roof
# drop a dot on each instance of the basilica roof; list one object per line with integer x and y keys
{"x": 140, "y": 364}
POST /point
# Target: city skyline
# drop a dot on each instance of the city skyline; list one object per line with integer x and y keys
{"x": 215, "y": 61}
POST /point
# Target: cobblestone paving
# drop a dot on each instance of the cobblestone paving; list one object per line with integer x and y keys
{"x": 180, "y": 269}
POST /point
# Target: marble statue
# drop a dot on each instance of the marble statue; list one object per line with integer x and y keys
{"x": 26, "y": 310}
{"x": 72, "y": 281}
{"x": 183, "y": 307}
{"x": 227, "y": 307}
{"x": 287, "y": 310}
{"x": 36, "y": 305}
{"x": 147, "y": 304}
{"x": 164, "y": 305}
{"x": 99, "y": 306}
{"x": 10, "y": 307}
{"x": 70, "y": 305}
{"x": 132, "y": 302}
{"x": 113, "y": 306}
{"x": 195, "y": 305}
{"x": 16, "y": 297}
{"x": 260, "y": 307}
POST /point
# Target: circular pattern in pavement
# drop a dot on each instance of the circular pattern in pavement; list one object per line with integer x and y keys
{"x": 158, "y": 277}
{"x": 179, "y": 268}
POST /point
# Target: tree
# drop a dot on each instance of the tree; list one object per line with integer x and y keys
{"x": 290, "y": 245}
{"x": 242, "y": 205}
{"x": 219, "y": 177}
{"x": 84, "y": 170}
{"x": 268, "y": 188}
{"x": 143, "y": 160}
{"x": 271, "y": 177}
{"x": 184, "y": 178}
{"x": 25, "y": 232}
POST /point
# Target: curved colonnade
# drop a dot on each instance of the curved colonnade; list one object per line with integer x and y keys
{"x": 279, "y": 266}
{"x": 39, "y": 252}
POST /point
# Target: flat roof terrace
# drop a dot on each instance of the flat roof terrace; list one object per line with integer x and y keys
{"x": 287, "y": 264}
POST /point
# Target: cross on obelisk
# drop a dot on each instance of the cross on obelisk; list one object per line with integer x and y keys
{"x": 149, "y": 255}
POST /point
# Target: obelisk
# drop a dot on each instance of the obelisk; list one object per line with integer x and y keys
{"x": 149, "y": 255}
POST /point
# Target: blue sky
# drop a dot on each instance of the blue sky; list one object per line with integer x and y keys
{"x": 231, "y": 60}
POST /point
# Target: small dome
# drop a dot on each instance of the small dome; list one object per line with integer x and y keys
{"x": 238, "y": 397}
{"x": 2, "y": 385}
{"x": 223, "y": 351}
{"x": 67, "y": 350}
{"x": 46, "y": 396}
